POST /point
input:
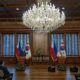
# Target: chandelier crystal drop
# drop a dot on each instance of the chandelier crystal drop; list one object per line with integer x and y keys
{"x": 43, "y": 18}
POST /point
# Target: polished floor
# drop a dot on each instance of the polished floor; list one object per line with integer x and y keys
{"x": 40, "y": 72}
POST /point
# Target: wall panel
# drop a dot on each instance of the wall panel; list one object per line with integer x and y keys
{"x": 40, "y": 40}
{"x": 37, "y": 39}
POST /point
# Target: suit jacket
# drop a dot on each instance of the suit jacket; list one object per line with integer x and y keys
{"x": 5, "y": 70}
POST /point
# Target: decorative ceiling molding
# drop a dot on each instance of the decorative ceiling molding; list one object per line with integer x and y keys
{"x": 8, "y": 8}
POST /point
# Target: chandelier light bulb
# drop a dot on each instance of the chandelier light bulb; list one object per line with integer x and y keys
{"x": 43, "y": 18}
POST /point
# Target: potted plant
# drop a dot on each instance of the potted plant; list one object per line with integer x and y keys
{"x": 39, "y": 51}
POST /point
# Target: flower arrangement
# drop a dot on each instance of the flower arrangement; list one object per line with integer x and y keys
{"x": 20, "y": 67}
{"x": 61, "y": 64}
{"x": 61, "y": 67}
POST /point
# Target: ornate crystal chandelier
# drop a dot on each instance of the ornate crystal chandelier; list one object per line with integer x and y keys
{"x": 44, "y": 17}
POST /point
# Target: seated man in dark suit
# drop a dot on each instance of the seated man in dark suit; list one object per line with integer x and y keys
{"x": 7, "y": 74}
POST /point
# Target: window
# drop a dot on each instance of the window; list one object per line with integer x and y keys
{"x": 57, "y": 40}
{"x": 71, "y": 43}
{"x": 0, "y": 45}
{"x": 23, "y": 39}
{"x": 8, "y": 45}
{"x": 79, "y": 43}
{"x": 10, "y": 42}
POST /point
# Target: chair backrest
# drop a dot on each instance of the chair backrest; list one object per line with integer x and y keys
{"x": 1, "y": 73}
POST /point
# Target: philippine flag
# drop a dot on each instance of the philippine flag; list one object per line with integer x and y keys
{"x": 53, "y": 50}
{"x": 17, "y": 50}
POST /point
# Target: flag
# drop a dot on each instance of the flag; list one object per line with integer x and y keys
{"x": 53, "y": 50}
{"x": 17, "y": 50}
{"x": 20, "y": 49}
{"x": 28, "y": 51}
{"x": 62, "y": 49}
